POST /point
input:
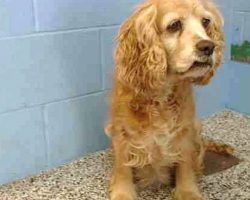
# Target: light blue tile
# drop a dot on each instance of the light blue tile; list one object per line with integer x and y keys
{"x": 237, "y": 27}
{"x": 75, "y": 128}
{"x": 22, "y": 144}
{"x": 68, "y": 14}
{"x": 46, "y": 68}
{"x": 227, "y": 31}
{"x": 239, "y": 93}
{"x": 246, "y": 35}
{"x": 241, "y": 5}
{"x": 108, "y": 44}
{"x": 16, "y": 17}
{"x": 222, "y": 3}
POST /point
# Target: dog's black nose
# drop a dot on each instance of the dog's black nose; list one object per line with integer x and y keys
{"x": 206, "y": 47}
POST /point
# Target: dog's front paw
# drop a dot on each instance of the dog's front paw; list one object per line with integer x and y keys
{"x": 187, "y": 195}
{"x": 121, "y": 196}
{"x": 122, "y": 192}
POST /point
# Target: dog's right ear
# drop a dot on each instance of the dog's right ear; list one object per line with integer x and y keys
{"x": 140, "y": 57}
{"x": 216, "y": 32}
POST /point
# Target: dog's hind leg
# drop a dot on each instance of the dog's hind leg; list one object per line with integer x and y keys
{"x": 211, "y": 145}
{"x": 217, "y": 147}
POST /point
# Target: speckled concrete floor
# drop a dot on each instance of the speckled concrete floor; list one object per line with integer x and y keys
{"x": 87, "y": 178}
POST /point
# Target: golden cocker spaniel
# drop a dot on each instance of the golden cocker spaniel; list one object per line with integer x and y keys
{"x": 164, "y": 48}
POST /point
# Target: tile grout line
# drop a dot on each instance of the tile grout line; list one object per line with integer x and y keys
{"x": 55, "y": 101}
{"x": 243, "y": 26}
{"x": 45, "y": 134}
{"x": 59, "y": 31}
{"x": 35, "y": 16}
{"x": 101, "y": 59}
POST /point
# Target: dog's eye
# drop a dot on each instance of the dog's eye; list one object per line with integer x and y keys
{"x": 175, "y": 26}
{"x": 205, "y": 22}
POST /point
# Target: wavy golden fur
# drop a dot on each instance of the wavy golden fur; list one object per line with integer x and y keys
{"x": 164, "y": 48}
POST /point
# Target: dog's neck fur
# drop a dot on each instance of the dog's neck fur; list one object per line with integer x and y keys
{"x": 167, "y": 91}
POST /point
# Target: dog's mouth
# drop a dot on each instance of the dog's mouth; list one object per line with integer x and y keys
{"x": 198, "y": 69}
{"x": 199, "y": 65}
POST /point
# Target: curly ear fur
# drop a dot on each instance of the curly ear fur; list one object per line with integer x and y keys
{"x": 140, "y": 57}
{"x": 217, "y": 35}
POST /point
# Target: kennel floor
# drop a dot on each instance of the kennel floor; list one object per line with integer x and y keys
{"x": 87, "y": 178}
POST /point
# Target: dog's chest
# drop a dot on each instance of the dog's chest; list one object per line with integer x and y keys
{"x": 154, "y": 148}
{"x": 164, "y": 121}
{"x": 163, "y": 148}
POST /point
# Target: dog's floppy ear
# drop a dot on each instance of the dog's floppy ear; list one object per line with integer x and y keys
{"x": 140, "y": 57}
{"x": 215, "y": 31}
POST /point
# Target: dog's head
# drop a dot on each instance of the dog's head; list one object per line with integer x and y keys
{"x": 170, "y": 39}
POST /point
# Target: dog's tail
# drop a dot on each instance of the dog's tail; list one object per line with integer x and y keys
{"x": 217, "y": 147}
